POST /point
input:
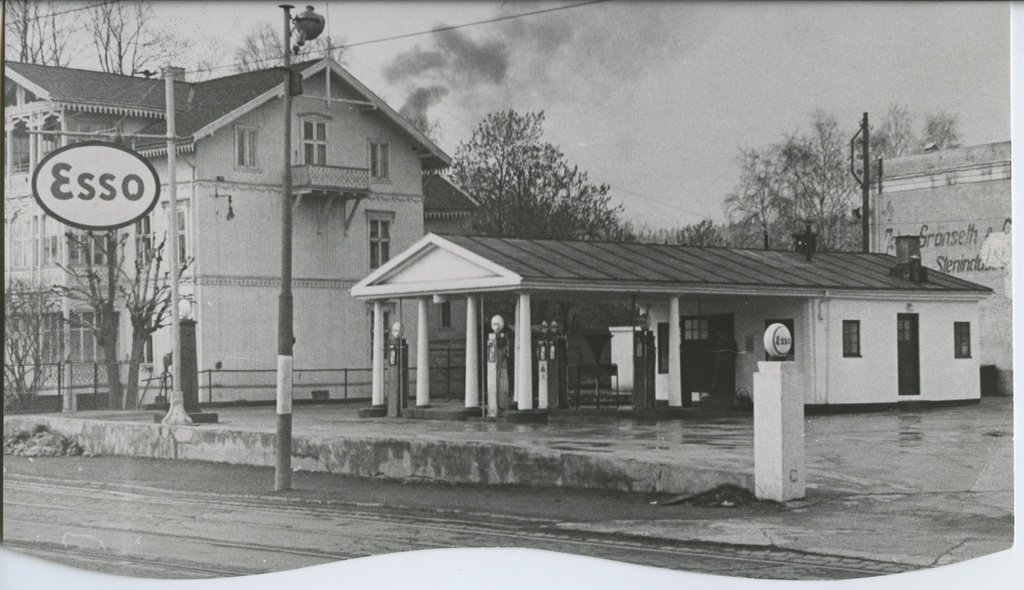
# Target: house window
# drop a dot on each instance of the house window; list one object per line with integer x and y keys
{"x": 851, "y": 338}
{"x": 962, "y": 340}
{"x": 379, "y": 161}
{"x": 314, "y": 143}
{"x": 21, "y": 242}
{"x": 182, "y": 235}
{"x": 380, "y": 241}
{"x": 20, "y": 150}
{"x": 53, "y": 338}
{"x": 83, "y": 344}
{"x": 446, "y": 315}
{"x": 143, "y": 239}
{"x": 87, "y": 249}
{"x": 245, "y": 147}
{"x": 696, "y": 329}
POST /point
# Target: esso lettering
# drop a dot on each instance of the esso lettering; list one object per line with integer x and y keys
{"x": 86, "y": 186}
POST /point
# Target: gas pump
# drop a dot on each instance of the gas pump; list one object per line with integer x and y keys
{"x": 643, "y": 365}
{"x": 558, "y": 366}
{"x": 498, "y": 396}
{"x": 398, "y": 372}
{"x": 543, "y": 353}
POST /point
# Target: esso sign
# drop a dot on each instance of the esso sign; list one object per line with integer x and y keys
{"x": 777, "y": 340}
{"x": 96, "y": 185}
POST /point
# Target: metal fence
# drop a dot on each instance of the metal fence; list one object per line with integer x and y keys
{"x": 233, "y": 385}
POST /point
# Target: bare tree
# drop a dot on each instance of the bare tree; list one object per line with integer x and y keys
{"x": 941, "y": 131}
{"x": 95, "y": 284}
{"x": 125, "y": 37}
{"x": 146, "y": 296}
{"x": 895, "y": 136}
{"x": 39, "y": 32}
{"x": 28, "y": 346}
{"x": 263, "y": 47}
{"x": 758, "y": 202}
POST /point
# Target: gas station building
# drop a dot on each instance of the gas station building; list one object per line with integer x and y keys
{"x": 868, "y": 329}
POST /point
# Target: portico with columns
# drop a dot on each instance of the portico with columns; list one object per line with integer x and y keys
{"x": 703, "y": 305}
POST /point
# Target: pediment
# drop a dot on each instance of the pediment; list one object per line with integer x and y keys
{"x": 435, "y": 266}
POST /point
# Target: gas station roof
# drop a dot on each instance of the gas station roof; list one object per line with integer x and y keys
{"x": 467, "y": 264}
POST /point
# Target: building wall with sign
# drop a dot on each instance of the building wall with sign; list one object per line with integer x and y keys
{"x": 958, "y": 202}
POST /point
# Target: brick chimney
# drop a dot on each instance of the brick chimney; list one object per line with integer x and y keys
{"x": 908, "y": 260}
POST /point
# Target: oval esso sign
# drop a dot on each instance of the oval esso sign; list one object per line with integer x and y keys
{"x": 96, "y": 185}
{"x": 777, "y": 340}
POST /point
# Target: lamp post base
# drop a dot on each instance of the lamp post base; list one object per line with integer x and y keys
{"x": 177, "y": 415}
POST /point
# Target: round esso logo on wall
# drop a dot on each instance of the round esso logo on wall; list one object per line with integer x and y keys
{"x": 96, "y": 185}
{"x": 777, "y": 340}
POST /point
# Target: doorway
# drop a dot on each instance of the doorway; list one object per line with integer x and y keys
{"x": 908, "y": 360}
{"x": 708, "y": 357}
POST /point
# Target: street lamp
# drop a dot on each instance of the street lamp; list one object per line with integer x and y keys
{"x": 309, "y": 28}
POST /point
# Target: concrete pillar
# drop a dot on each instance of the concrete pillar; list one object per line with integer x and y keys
{"x": 377, "y": 356}
{"x": 423, "y": 353}
{"x": 779, "y": 472}
{"x": 472, "y": 353}
{"x": 675, "y": 342}
{"x": 524, "y": 362}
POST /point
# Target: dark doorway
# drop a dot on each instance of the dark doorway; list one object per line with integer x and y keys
{"x": 708, "y": 357}
{"x": 908, "y": 360}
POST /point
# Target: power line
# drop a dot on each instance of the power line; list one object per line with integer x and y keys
{"x": 329, "y": 48}
{"x": 662, "y": 203}
{"x": 68, "y": 11}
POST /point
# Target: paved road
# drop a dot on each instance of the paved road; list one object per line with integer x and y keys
{"x": 167, "y": 524}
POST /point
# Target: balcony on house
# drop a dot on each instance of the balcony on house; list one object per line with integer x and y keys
{"x": 310, "y": 179}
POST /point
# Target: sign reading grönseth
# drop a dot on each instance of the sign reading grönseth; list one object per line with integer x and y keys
{"x": 96, "y": 185}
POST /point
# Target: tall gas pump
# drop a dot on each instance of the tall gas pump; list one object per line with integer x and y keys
{"x": 498, "y": 395}
{"x": 398, "y": 372}
{"x": 550, "y": 374}
{"x": 643, "y": 365}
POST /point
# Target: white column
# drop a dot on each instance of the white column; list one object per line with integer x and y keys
{"x": 377, "y": 356}
{"x": 423, "y": 354}
{"x": 33, "y": 148}
{"x": 472, "y": 353}
{"x": 675, "y": 372}
{"x": 524, "y": 362}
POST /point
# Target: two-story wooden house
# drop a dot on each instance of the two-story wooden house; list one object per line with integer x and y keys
{"x": 358, "y": 197}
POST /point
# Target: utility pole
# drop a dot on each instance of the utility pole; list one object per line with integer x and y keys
{"x": 176, "y": 414}
{"x": 285, "y": 344}
{"x": 865, "y": 181}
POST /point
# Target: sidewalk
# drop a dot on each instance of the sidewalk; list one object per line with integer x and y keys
{"x": 921, "y": 487}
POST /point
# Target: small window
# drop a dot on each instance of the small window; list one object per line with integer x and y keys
{"x": 696, "y": 329}
{"x": 446, "y": 315}
{"x": 851, "y": 338}
{"x": 314, "y": 143}
{"x": 379, "y": 161}
{"x": 962, "y": 340}
{"x": 245, "y": 147}
{"x": 143, "y": 240}
{"x": 380, "y": 241}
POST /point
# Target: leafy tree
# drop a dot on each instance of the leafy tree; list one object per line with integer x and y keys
{"x": 263, "y": 47}
{"x": 28, "y": 311}
{"x": 525, "y": 186}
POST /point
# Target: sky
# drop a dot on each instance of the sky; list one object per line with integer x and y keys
{"x": 656, "y": 99}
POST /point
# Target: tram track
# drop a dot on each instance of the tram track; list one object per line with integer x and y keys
{"x": 361, "y": 528}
